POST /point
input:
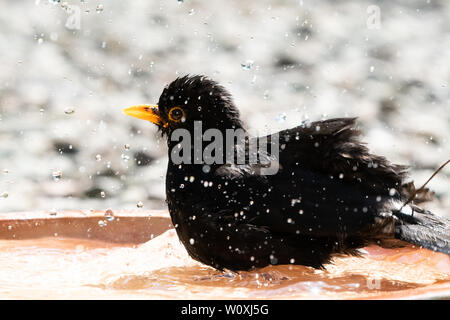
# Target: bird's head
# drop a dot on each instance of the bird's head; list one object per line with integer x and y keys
{"x": 189, "y": 99}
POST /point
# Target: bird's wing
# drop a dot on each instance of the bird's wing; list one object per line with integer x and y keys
{"x": 332, "y": 147}
{"x": 301, "y": 217}
{"x": 328, "y": 183}
{"x": 286, "y": 204}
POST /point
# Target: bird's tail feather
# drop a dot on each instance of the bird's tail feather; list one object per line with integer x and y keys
{"x": 423, "y": 228}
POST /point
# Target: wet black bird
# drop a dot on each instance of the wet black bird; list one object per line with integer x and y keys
{"x": 329, "y": 196}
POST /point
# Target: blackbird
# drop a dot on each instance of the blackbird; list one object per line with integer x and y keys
{"x": 329, "y": 196}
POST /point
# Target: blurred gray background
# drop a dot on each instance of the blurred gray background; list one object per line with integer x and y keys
{"x": 67, "y": 69}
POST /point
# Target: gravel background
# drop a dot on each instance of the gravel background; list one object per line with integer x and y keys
{"x": 62, "y": 90}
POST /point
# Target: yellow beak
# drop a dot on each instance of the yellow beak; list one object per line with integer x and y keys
{"x": 144, "y": 112}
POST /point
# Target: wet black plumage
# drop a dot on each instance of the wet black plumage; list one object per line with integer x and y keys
{"x": 330, "y": 195}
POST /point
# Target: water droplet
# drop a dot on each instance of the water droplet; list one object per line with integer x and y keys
{"x": 53, "y": 212}
{"x": 280, "y": 118}
{"x": 306, "y": 123}
{"x": 57, "y": 175}
{"x": 191, "y": 241}
{"x": 5, "y": 171}
{"x": 140, "y": 204}
{"x": 341, "y": 176}
{"x": 102, "y": 223}
{"x": 102, "y": 194}
{"x": 392, "y": 192}
{"x": 191, "y": 179}
{"x": 125, "y": 157}
{"x": 127, "y": 146}
{"x": 98, "y": 157}
{"x": 247, "y": 65}
{"x": 109, "y": 215}
{"x": 292, "y": 260}
{"x": 206, "y": 168}
{"x": 273, "y": 259}
{"x": 4, "y": 194}
{"x": 99, "y": 8}
{"x": 191, "y": 12}
{"x": 372, "y": 68}
{"x": 69, "y": 110}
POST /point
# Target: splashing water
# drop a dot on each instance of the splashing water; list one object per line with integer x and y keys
{"x": 57, "y": 175}
{"x": 247, "y": 65}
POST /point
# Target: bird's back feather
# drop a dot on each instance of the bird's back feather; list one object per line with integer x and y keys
{"x": 333, "y": 147}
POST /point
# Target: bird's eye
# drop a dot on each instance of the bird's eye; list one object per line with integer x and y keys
{"x": 176, "y": 114}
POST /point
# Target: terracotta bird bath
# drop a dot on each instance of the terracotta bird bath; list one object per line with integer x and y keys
{"x": 136, "y": 254}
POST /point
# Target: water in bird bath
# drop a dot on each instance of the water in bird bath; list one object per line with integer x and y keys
{"x": 66, "y": 268}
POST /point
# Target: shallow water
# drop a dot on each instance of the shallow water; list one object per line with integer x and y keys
{"x": 74, "y": 268}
